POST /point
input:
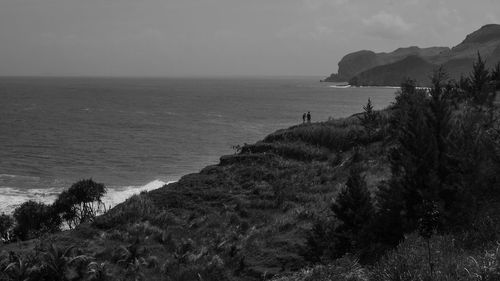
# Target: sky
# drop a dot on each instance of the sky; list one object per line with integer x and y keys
{"x": 192, "y": 38}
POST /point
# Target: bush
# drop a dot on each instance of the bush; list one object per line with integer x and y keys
{"x": 35, "y": 218}
{"x": 6, "y": 224}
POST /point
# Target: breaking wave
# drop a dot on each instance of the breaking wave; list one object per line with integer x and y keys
{"x": 11, "y": 197}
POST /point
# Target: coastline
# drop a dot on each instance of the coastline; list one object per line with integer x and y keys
{"x": 10, "y": 197}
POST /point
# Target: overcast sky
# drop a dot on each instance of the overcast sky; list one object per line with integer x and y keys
{"x": 221, "y": 37}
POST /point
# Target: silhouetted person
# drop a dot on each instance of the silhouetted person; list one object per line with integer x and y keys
{"x": 304, "y": 118}
{"x": 309, "y": 117}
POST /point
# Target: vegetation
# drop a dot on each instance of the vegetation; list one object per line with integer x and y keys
{"x": 6, "y": 224}
{"x": 407, "y": 193}
{"x": 81, "y": 202}
{"x": 369, "y": 118}
{"x": 33, "y": 219}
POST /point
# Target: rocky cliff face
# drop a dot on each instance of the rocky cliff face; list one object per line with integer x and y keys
{"x": 414, "y": 67}
{"x": 369, "y": 68}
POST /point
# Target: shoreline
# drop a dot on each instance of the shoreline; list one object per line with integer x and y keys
{"x": 12, "y": 197}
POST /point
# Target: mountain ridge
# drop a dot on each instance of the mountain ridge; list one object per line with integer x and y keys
{"x": 367, "y": 68}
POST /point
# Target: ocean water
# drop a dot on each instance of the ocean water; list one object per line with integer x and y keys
{"x": 135, "y": 134}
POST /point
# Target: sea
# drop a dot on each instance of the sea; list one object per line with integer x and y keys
{"x": 136, "y": 134}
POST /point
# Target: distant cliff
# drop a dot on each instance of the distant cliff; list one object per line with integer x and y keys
{"x": 367, "y": 68}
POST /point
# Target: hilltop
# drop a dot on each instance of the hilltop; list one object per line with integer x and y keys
{"x": 367, "y": 68}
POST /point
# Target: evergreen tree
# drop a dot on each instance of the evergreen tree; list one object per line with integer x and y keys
{"x": 354, "y": 209}
{"x": 440, "y": 122}
{"x": 369, "y": 118}
{"x": 413, "y": 158}
{"x": 320, "y": 241}
{"x": 420, "y": 162}
{"x": 480, "y": 87}
{"x": 495, "y": 76}
{"x": 388, "y": 226}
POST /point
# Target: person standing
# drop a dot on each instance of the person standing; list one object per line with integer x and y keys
{"x": 309, "y": 117}
{"x": 304, "y": 118}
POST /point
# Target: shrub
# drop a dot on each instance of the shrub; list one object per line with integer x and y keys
{"x": 99, "y": 272}
{"x": 35, "y": 218}
{"x": 409, "y": 262}
{"x": 18, "y": 269}
{"x": 6, "y": 224}
{"x": 63, "y": 264}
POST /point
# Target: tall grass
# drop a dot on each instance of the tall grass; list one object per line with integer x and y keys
{"x": 451, "y": 263}
{"x": 328, "y": 135}
{"x": 296, "y": 150}
{"x": 137, "y": 207}
{"x": 344, "y": 269}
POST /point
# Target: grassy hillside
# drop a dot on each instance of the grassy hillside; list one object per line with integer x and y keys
{"x": 286, "y": 207}
{"x": 247, "y": 217}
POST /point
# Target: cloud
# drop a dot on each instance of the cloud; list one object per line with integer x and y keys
{"x": 315, "y": 5}
{"x": 386, "y": 25}
{"x": 492, "y": 18}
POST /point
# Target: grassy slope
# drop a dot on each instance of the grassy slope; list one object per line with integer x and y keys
{"x": 247, "y": 218}
{"x": 248, "y": 215}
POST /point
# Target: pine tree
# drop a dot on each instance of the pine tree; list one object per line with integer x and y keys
{"x": 369, "y": 118}
{"x": 440, "y": 122}
{"x": 495, "y": 76}
{"x": 423, "y": 167}
{"x": 413, "y": 157}
{"x": 480, "y": 88}
{"x": 354, "y": 209}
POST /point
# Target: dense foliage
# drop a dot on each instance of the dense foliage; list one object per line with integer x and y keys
{"x": 33, "y": 219}
{"x": 6, "y": 224}
{"x": 444, "y": 145}
{"x": 81, "y": 202}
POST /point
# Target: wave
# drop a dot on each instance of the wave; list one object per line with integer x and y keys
{"x": 11, "y": 197}
{"x": 340, "y": 86}
{"x": 116, "y": 195}
{"x": 380, "y": 87}
{"x": 10, "y": 176}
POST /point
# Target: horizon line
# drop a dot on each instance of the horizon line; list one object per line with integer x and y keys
{"x": 164, "y": 76}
